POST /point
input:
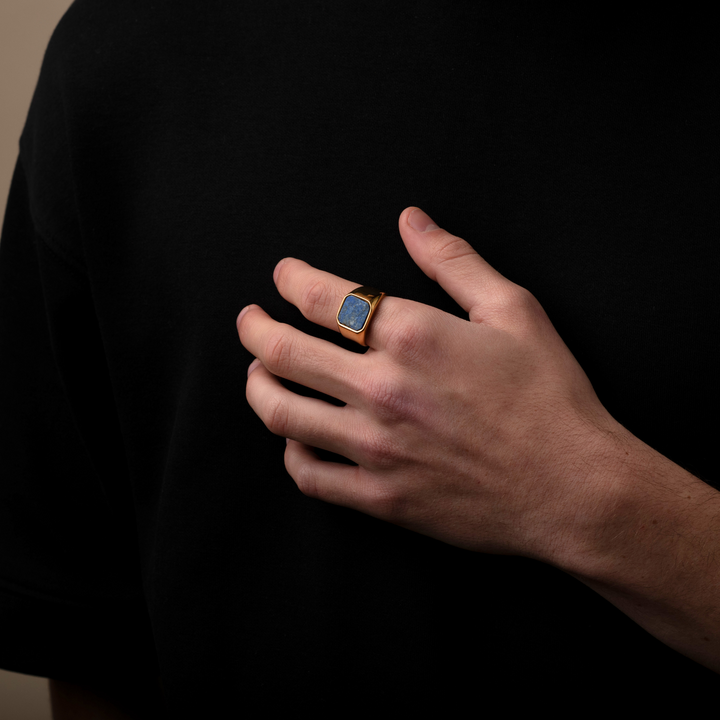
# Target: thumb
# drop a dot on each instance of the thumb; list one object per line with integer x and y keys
{"x": 450, "y": 261}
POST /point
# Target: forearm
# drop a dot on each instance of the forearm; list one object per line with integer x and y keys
{"x": 652, "y": 548}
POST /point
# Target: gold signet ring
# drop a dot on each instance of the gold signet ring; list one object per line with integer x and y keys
{"x": 355, "y": 312}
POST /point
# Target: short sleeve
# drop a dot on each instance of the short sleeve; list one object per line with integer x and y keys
{"x": 71, "y": 601}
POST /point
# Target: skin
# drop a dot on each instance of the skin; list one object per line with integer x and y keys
{"x": 486, "y": 434}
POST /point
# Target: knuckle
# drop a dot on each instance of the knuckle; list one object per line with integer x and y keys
{"x": 276, "y": 415}
{"x": 405, "y": 340}
{"x": 522, "y": 304}
{"x": 314, "y": 298}
{"x": 306, "y": 480}
{"x": 379, "y": 451}
{"x": 411, "y": 340}
{"x": 509, "y": 296}
{"x": 389, "y": 502}
{"x": 450, "y": 248}
{"x": 532, "y": 306}
{"x": 523, "y": 298}
{"x": 389, "y": 399}
{"x": 280, "y": 352}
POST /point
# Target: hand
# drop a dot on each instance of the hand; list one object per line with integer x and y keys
{"x": 482, "y": 433}
{"x": 485, "y": 433}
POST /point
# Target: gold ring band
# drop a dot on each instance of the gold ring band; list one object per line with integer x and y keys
{"x": 356, "y": 311}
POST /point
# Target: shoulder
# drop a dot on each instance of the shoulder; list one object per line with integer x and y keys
{"x": 97, "y": 42}
{"x": 101, "y": 69}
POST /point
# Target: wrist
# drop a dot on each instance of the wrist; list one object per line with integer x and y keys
{"x": 648, "y": 544}
{"x": 639, "y": 514}
{"x": 587, "y": 484}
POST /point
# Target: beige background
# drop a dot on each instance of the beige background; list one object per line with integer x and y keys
{"x": 25, "y": 28}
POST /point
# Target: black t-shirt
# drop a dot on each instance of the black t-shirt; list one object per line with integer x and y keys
{"x": 174, "y": 152}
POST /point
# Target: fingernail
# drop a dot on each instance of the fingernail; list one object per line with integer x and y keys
{"x": 276, "y": 271}
{"x": 253, "y": 366}
{"x": 420, "y": 221}
{"x": 242, "y": 312}
{"x": 287, "y": 441}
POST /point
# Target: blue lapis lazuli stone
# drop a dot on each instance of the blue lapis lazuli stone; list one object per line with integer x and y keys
{"x": 353, "y": 313}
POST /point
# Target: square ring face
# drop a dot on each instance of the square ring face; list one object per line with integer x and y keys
{"x": 353, "y": 313}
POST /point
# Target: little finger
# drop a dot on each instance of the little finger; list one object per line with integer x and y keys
{"x": 308, "y": 420}
{"x": 346, "y": 485}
